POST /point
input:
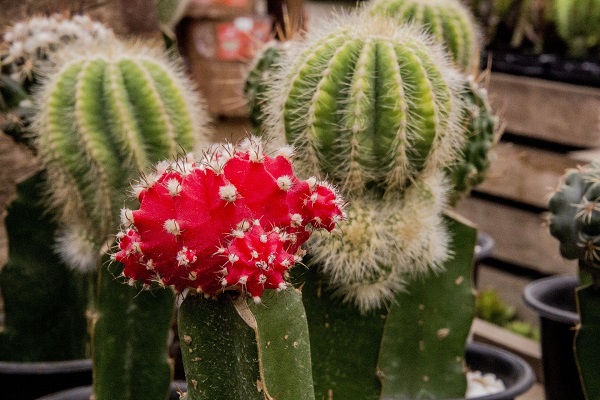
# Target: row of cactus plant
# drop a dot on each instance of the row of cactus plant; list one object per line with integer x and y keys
{"x": 575, "y": 222}
{"x": 224, "y": 230}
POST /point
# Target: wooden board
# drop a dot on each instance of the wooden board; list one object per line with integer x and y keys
{"x": 526, "y": 174}
{"x": 522, "y": 237}
{"x": 552, "y": 111}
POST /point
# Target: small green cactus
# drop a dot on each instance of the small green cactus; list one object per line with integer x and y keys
{"x": 482, "y": 130}
{"x": 258, "y": 82}
{"x": 577, "y": 23}
{"x": 448, "y": 21}
{"x": 575, "y": 222}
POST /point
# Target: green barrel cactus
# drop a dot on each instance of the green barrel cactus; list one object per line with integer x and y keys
{"x": 575, "y": 222}
{"x": 448, "y": 21}
{"x": 105, "y": 113}
{"x": 259, "y": 80}
{"x": 482, "y": 130}
{"x": 377, "y": 109}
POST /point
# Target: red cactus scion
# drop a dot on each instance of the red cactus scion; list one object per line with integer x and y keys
{"x": 236, "y": 220}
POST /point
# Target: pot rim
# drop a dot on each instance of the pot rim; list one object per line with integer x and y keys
{"x": 484, "y": 246}
{"x": 534, "y": 291}
{"x": 45, "y": 367}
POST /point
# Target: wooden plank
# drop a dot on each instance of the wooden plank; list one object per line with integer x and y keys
{"x": 522, "y": 237}
{"x": 529, "y": 350}
{"x": 552, "y": 111}
{"x": 526, "y": 174}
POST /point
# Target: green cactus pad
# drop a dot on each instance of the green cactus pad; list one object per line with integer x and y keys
{"x": 129, "y": 341}
{"x": 105, "y": 114}
{"x": 234, "y": 349}
{"x": 586, "y": 339}
{"x": 369, "y": 105}
{"x": 44, "y": 300}
{"x": 414, "y": 347}
{"x": 448, "y": 21}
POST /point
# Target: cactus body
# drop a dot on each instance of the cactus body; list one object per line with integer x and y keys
{"x": 414, "y": 348}
{"x": 448, "y": 21}
{"x": 236, "y": 220}
{"x": 481, "y": 129}
{"x": 258, "y": 82}
{"x": 233, "y": 349}
{"x": 577, "y": 23}
{"x": 575, "y": 215}
{"x": 105, "y": 115}
{"x": 586, "y": 339}
{"x": 375, "y": 108}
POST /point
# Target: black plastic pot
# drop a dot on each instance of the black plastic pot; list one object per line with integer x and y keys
{"x": 28, "y": 381}
{"x": 516, "y": 374}
{"x": 554, "y": 300}
{"x": 84, "y": 393}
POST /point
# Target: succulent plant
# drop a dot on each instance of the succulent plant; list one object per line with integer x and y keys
{"x": 448, "y": 21}
{"x": 376, "y": 108}
{"x": 482, "y": 130}
{"x": 259, "y": 80}
{"x": 574, "y": 221}
{"x": 577, "y": 23}
{"x": 230, "y": 227}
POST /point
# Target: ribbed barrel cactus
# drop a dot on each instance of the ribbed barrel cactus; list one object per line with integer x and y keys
{"x": 448, "y": 21}
{"x": 377, "y": 109}
{"x": 482, "y": 130}
{"x": 575, "y": 222}
{"x": 224, "y": 230}
{"x": 105, "y": 114}
{"x": 259, "y": 80}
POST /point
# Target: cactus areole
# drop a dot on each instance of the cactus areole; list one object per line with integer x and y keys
{"x": 235, "y": 220}
{"x": 369, "y": 105}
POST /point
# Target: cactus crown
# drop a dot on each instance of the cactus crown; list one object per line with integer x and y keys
{"x": 372, "y": 106}
{"x": 236, "y": 220}
{"x": 448, "y": 21}
{"x": 105, "y": 113}
{"x": 575, "y": 214}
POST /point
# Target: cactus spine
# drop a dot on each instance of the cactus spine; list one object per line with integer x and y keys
{"x": 448, "y": 21}
{"x": 230, "y": 227}
{"x": 575, "y": 222}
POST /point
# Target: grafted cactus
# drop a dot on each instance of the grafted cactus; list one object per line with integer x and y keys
{"x": 449, "y": 21}
{"x": 225, "y": 228}
{"x": 376, "y": 108}
{"x": 258, "y": 82}
{"x": 575, "y": 222}
{"x": 482, "y": 129}
{"x": 105, "y": 114}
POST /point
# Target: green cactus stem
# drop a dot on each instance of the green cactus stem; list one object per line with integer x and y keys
{"x": 393, "y": 360}
{"x": 258, "y": 82}
{"x": 44, "y": 300}
{"x": 586, "y": 339}
{"x": 234, "y": 349}
{"x": 577, "y": 23}
{"x": 448, "y": 21}
{"x": 482, "y": 130}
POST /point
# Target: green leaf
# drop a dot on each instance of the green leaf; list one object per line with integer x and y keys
{"x": 423, "y": 344}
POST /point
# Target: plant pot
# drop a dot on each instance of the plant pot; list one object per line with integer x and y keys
{"x": 30, "y": 380}
{"x": 84, "y": 393}
{"x": 554, "y": 300}
{"x": 516, "y": 374}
